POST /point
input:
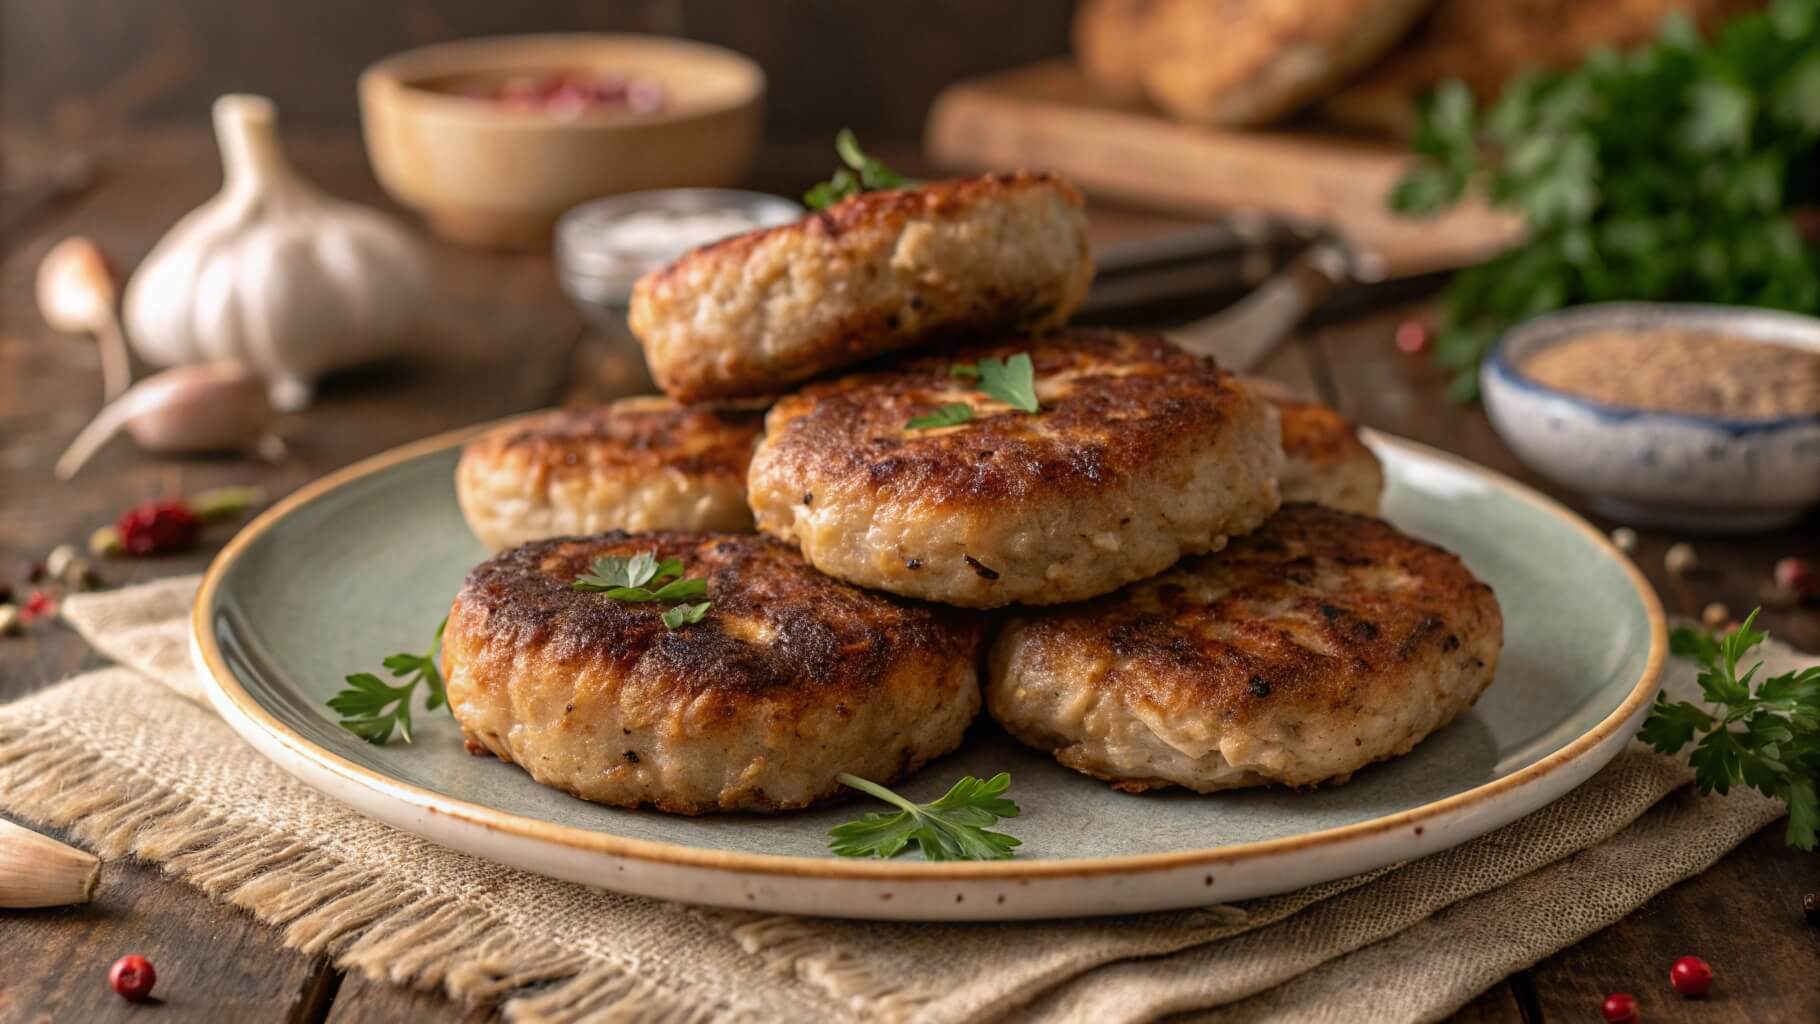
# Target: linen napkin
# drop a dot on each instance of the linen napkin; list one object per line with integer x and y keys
{"x": 133, "y": 767}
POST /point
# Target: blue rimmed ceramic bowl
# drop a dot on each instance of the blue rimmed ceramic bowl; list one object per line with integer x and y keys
{"x": 1653, "y": 468}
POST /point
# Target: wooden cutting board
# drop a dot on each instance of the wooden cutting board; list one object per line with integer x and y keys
{"x": 1047, "y": 115}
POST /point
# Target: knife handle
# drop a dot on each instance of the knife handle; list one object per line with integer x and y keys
{"x": 1242, "y": 335}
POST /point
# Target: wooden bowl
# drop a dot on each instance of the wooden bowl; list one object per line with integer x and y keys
{"x": 486, "y": 174}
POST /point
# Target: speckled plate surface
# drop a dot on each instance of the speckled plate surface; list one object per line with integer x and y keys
{"x": 366, "y": 561}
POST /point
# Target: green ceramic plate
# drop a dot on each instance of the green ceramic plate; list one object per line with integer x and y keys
{"x": 366, "y": 561}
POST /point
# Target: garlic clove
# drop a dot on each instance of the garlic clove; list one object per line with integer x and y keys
{"x": 75, "y": 288}
{"x": 38, "y": 871}
{"x": 215, "y": 415}
{"x": 77, "y": 294}
{"x": 201, "y": 407}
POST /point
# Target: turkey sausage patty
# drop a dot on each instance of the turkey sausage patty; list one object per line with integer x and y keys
{"x": 1300, "y": 654}
{"x": 637, "y": 464}
{"x": 1324, "y": 461}
{"x": 789, "y": 678}
{"x": 881, "y": 271}
{"x": 1141, "y": 453}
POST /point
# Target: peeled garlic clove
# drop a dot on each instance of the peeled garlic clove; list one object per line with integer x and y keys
{"x": 38, "y": 871}
{"x": 76, "y": 294}
{"x": 202, "y": 407}
{"x": 217, "y": 414}
{"x": 75, "y": 287}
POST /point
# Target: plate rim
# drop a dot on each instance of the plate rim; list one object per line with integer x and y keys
{"x": 226, "y": 686}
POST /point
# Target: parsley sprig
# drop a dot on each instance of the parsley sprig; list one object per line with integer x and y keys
{"x": 951, "y": 415}
{"x": 1676, "y": 171}
{"x": 1768, "y": 739}
{"x": 956, "y": 827}
{"x": 629, "y": 580}
{"x": 371, "y": 708}
{"x": 860, "y": 173}
{"x": 1011, "y": 381}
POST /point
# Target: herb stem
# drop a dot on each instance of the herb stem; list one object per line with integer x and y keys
{"x": 873, "y": 789}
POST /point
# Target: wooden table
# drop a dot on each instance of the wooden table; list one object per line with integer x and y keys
{"x": 505, "y": 342}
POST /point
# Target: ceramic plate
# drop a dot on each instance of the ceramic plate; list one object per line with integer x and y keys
{"x": 366, "y": 561}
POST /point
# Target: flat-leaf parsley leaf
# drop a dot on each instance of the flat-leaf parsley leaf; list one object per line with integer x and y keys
{"x": 861, "y": 173}
{"x": 628, "y": 580}
{"x": 371, "y": 708}
{"x": 1768, "y": 739}
{"x": 612, "y": 572}
{"x": 1011, "y": 381}
{"x": 949, "y": 415}
{"x": 684, "y": 614}
{"x": 956, "y": 827}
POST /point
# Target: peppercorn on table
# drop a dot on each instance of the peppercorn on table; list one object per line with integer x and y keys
{"x": 215, "y": 962}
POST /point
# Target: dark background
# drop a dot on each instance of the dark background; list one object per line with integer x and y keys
{"x": 81, "y": 70}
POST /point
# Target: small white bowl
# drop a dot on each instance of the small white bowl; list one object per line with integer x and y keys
{"x": 597, "y": 271}
{"x": 1651, "y": 468}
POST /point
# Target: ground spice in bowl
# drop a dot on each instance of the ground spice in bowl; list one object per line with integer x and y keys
{"x": 1675, "y": 370}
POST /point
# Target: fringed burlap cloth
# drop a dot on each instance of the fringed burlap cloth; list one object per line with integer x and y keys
{"x": 138, "y": 768}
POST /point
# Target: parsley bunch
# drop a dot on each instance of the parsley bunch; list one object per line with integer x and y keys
{"x": 371, "y": 708}
{"x": 625, "y": 579}
{"x": 956, "y": 827}
{"x": 1676, "y": 171}
{"x": 1768, "y": 739}
{"x": 860, "y": 173}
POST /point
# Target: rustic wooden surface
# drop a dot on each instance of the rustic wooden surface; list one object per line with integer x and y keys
{"x": 506, "y": 342}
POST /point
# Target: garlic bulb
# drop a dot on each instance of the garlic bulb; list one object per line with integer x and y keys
{"x": 273, "y": 273}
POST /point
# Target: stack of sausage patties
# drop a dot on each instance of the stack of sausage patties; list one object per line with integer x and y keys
{"x": 950, "y": 487}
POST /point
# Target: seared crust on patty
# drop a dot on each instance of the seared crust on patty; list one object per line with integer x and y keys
{"x": 876, "y": 273}
{"x": 1301, "y": 653}
{"x": 1324, "y": 461}
{"x": 790, "y": 678}
{"x": 637, "y": 464}
{"x": 1141, "y": 453}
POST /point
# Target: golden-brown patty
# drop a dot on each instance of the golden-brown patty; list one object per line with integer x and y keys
{"x": 1320, "y": 643}
{"x": 636, "y": 464}
{"x": 1141, "y": 453}
{"x": 879, "y": 272}
{"x": 790, "y": 678}
{"x": 1324, "y": 461}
